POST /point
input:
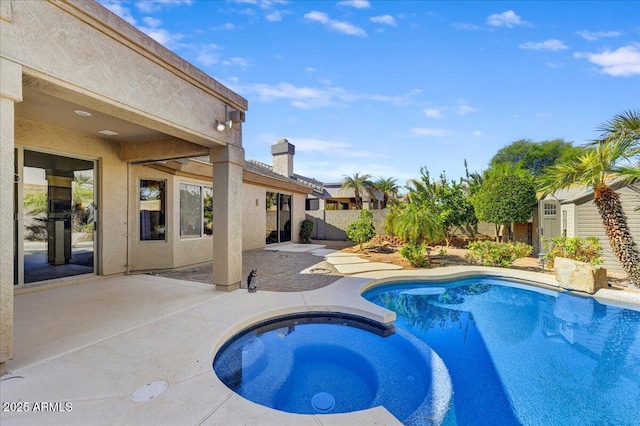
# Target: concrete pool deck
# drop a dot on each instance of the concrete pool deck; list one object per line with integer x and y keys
{"x": 95, "y": 343}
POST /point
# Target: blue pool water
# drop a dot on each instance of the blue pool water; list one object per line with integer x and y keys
{"x": 478, "y": 351}
{"x": 522, "y": 355}
{"x": 315, "y": 364}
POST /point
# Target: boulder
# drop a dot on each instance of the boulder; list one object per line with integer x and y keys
{"x": 574, "y": 275}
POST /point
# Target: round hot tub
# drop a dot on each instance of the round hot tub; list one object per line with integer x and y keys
{"x": 323, "y": 363}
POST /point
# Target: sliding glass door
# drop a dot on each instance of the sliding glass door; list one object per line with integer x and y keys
{"x": 56, "y": 217}
{"x": 279, "y": 209}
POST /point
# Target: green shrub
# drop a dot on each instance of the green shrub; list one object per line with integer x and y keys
{"x": 305, "y": 231}
{"x": 362, "y": 230}
{"x": 491, "y": 253}
{"x": 586, "y": 250}
{"x": 415, "y": 254}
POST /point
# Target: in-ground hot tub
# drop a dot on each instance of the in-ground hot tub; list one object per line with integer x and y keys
{"x": 318, "y": 363}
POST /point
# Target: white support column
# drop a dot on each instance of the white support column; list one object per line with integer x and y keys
{"x": 227, "y": 216}
{"x": 10, "y": 92}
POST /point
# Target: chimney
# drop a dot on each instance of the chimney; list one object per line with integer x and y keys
{"x": 283, "y": 153}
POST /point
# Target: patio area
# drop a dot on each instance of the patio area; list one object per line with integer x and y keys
{"x": 92, "y": 345}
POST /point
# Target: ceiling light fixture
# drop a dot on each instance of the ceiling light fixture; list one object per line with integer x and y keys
{"x": 82, "y": 113}
{"x": 108, "y": 132}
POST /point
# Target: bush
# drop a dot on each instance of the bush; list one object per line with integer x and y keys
{"x": 586, "y": 250}
{"x": 362, "y": 230}
{"x": 305, "y": 231}
{"x": 415, "y": 254}
{"x": 491, "y": 253}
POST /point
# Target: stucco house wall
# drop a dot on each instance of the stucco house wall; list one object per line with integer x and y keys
{"x": 253, "y": 217}
{"x": 79, "y": 53}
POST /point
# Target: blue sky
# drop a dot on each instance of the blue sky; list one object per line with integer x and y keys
{"x": 385, "y": 87}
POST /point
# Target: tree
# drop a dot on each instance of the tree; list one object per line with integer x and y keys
{"x": 504, "y": 198}
{"x": 362, "y": 229}
{"x": 603, "y": 162}
{"x": 535, "y": 156}
{"x": 388, "y": 187}
{"x": 455, "y": 208}
{"x": 361, "y": 185}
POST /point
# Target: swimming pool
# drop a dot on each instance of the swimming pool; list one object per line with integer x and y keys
{"x": 491, "y": 351}
{"x": 319, "y": 363}
{"x": 524, "y": 355}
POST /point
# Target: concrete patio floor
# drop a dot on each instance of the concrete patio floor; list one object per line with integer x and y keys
{"x": 95, "y": 343}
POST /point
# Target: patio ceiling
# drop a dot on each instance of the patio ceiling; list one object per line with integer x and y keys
{"x": 137, "y": 143}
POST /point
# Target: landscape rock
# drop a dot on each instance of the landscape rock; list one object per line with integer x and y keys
{"x": 574, "y": 275}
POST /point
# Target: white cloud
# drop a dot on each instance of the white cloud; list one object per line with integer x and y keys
{"x": 227, "y": 26}
{"x": 597, "y": 35}
{"x": 551, "y": 44}
{"x": 264, "y": 4}
{"x": 317, "y": 97}
{"x": 358, "y": 4}
{"x": 465, "y": 109}
{"x": 505, "y": 19}
{"x": 433, "y": 113}
{"x": 275, "y": 16}
{"x": 117, "y": 8}
{"x": 152, "y": 22}
{"x": 162, "y": 36}
{"x": 384, "y": 20}
{"x": 208, "y": 55}
{"x": 340, "y": 26}
{"x": 477, "y": 133}
{"x": 149, "y": 6}
{"x": 465, "y": 27}
{"x": 240, "y": 62}
{"x": 310, "y": 69}
{"x": 430, "y": 132}
{"x": 625, "y": 61}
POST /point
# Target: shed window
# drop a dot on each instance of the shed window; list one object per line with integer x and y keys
{"x": 550, "y": 209}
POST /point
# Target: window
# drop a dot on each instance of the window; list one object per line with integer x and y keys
{"x": 312, "y": 204}
{"x": 196, "y": 211}
{"x": 550, "y": 209}
{"x": 152, "y": 210}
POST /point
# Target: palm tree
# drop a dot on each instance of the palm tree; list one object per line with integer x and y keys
{"x": 597, "y": 167}
{"x": 388, "y": 187}
{"x": 361, "y": 185}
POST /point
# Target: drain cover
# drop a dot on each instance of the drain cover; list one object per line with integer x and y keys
{"x": 149, "y": 391}
{"x": 323, "y": 402}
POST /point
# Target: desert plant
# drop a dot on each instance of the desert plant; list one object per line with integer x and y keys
{"x": 305, "y": 231}
{"x": 586, "y": 250}
{"x": 615, "y": 155}
{"x": 415, "y": 254}
{"x": 362, "y": 230}
{"x": 491, "y": 253}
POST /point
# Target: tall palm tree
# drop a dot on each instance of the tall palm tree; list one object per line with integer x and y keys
{"x": 361, "y": 185}
{"x": 597, "y": 167}
{"x": 388, "y": 187}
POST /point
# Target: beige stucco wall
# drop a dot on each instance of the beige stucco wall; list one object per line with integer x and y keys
{"x": 111, "y": 184}
{"x": 156, "y": 254}
{"x": 95, "y": 66}
{"x": 10, "y": 92}
{"x": 173, "y": 252}
{"x": 254, "y": 217}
